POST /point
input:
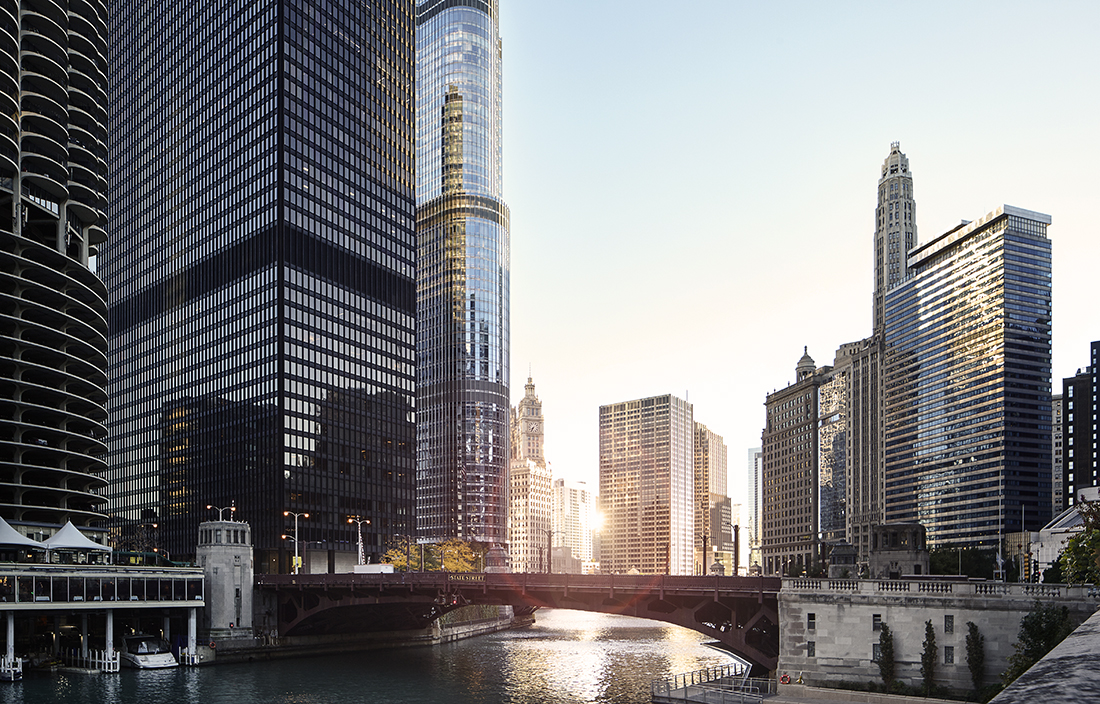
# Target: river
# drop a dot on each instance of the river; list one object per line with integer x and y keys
{"x": 565, "y": 657}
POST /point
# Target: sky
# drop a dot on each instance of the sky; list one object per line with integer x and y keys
{"x": 692, "y": 186}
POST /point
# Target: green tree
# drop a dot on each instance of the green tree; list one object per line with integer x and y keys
{"x": 1044, "y": 627}
{"x": 886, "y": 656}
{"x": 928, "y": 658}
{"x": 1080, "y": 560}
{"x": 975, "y": 655}
{"x": 1053, "y": 574}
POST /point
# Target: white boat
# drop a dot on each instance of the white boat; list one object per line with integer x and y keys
{"x": 144, "y": 652}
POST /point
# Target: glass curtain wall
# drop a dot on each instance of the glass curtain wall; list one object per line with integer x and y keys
{"x": 463, "y": 277}
{"x": 261, "y": 272}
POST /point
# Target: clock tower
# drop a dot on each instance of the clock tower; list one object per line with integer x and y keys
{"x": 528, "y": 426}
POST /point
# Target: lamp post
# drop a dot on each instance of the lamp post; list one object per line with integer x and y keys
{"x": 232, "y": 508}
{"x": 296, "y": 515}
{"x": 358, "y": 521}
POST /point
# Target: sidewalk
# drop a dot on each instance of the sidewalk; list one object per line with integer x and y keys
{"x": 802, "y": 694}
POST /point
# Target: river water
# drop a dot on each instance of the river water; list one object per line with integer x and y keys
{"x": 565, "y": 657}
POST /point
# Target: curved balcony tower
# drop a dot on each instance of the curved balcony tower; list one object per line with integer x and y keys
{"x": 53, "y": 326}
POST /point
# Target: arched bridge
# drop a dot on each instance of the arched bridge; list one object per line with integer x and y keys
{"x": 740, "y": 612}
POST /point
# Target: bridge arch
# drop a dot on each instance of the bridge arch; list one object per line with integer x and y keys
{"x": 739, "y": 612}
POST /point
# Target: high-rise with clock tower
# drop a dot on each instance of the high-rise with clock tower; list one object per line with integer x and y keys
{"x": 529, "y": 493}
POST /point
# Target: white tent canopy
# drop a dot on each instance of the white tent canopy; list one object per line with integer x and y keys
{"x": 10, "y": 536}
{"x": 69, "y": 538}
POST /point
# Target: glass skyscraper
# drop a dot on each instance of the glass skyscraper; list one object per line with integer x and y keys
{"x": 966, "y": 372}
{"x": 261, "y": 271}
{"x": 462, "y": 285}
{"x": 53, "y": 307}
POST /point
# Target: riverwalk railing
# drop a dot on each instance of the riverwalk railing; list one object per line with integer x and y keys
{"x": 722, "y": 684}
{"x": 94, "y": 660}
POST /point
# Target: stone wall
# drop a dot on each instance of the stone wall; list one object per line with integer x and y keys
{"x": 844, "y": 628}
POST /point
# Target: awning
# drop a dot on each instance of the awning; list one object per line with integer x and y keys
{"x": 10, "y": 536}
{"x": 69, "y": 538}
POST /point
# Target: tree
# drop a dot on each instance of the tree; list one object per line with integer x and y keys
{"x": 400, "y": 550}
{"x": 457, "y": 555}
{"x": 975, "y": 655}
{"x": 1080, "y": 560}
{"x": 928, "y": 658}
{"x": 886, "y": 656}
{"x": 1044, "y": 627}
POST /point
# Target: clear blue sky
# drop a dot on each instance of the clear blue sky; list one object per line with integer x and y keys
{"x": 692, "y": 185}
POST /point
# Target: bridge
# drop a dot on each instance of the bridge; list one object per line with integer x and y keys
{"x": 739, "y": 612}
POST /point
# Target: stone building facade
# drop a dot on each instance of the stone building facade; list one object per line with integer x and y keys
{"x": 829, "y": 629}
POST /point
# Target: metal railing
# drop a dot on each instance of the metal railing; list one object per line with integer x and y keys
{"x": 722, "y": 684}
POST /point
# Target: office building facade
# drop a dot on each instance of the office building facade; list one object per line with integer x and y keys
{"x": 463, "y": 276}
{"x": 572, "y": 518}
{"x": 1058, "y": 501}
{"x": 261, "y": 272}
{"x": 53, "y": 306}
{"x": 713, "y": 525}
{"x": 647, "y": 487}
{"x": 966, "y": 374}
{"x": 751, "y": 514}
{"x": 857, "y": 363}
{"x": 791, "y": 446}
{"x": 1080, "y": 468}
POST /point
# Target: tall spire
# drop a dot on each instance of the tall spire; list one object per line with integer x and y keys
{"x": 895, "y": 227}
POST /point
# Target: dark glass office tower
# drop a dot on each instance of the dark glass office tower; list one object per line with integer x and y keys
{"x": 462, "y": 289}
{"x": 967, "y": 382}
{"x": 261, "y": 271}
{"x": 53, "y": 308}
{"x": 1079, "y": 465}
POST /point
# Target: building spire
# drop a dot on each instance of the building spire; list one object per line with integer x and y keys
{"x": 895, "y": 228}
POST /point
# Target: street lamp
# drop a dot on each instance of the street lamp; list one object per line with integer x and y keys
{"x": 359, "y": 529}
{"x": 232, "y": 508}
{"x": 164, "y": 552}
{"x": 296, "y": 515}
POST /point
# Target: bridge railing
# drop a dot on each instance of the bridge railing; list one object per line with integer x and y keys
{"x": 939, "y": 585}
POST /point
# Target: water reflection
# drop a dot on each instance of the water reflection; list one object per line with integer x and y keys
{"x": 565, "y": 658}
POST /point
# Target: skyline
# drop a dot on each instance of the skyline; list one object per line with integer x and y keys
{"x": 746, "y": 159}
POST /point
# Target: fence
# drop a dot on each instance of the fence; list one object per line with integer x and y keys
{"x": 724, "y": 684}
{"x": 94, "y": 660}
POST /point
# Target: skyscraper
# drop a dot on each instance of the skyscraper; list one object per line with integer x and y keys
{"x": 529, "y": 499}
{"x": 791, "y": 446}
{"x": 1080, "y": 468}
{"x": 858, "y": 363}
{"x": 647, "y": 486}
{"x": 754, "y": 506}
{"x": 53, "y": 307}
{"x": 895, "y": 227}
{"x": 966, "y": 374}
{"x": 262, "y": 270}
{"x": 462, "y": 285}
{"x": 713, "y": 524}
{"x": 572, "y": 517}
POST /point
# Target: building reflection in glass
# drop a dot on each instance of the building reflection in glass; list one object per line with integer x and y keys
{"x": 967, "y": 382}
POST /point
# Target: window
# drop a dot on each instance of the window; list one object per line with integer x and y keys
{"x": 948, "y": 655}
{"x": 876, "y": 652}
{"x": 876, "y": 622}
{"x": 811, "y": 649}
{"x": 948, "y": 624}
{"x": 811, "y": 622}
